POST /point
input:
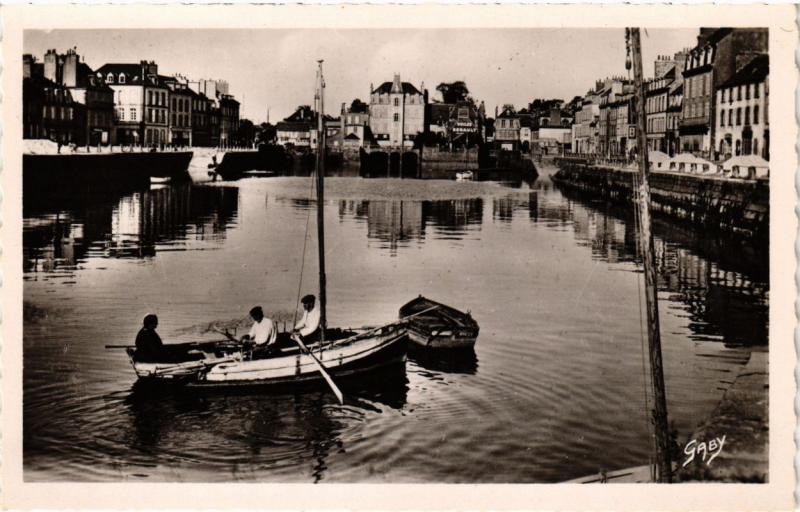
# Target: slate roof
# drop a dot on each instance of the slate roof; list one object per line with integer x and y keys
{"x": 756, "y": 71}
{"x": 386, "y": 88}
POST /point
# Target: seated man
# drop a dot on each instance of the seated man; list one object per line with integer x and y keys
{"x": 149, "y": 347}
{"x": 308, "y": 326}
{"x": 262, "y": 334}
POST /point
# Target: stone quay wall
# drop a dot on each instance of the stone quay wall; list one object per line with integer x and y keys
{"x": 732, "y": 206}
{"x": 74, "y": 173}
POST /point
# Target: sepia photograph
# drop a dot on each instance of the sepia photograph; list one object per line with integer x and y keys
{"x": 310, "y": 255}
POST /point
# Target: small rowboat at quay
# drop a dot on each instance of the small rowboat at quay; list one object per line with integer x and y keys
{"x": 436, "y": 325}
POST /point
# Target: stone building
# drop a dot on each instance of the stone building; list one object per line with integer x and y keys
{"x": 709, "y": 64}
{"x": 506, "y": 129}
{"x": 396, "y": 113}
{"x": 355, "y": 131}
{"x": 656, "y": 104}
{"x": 201, "y": 118}
{"x": 229, "y": 120}
{"x": 92, "y": 100}
{"x": 742, "y": 105}
{"x": 586, "y": 128}
{"x": 611, "y": 91}
{"x": 141, "y": 102}
{"x": 180, "y": 111}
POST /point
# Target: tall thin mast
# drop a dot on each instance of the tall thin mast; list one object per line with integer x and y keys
{"x": 321, "y": 198}
{"x": 663, "y": 456}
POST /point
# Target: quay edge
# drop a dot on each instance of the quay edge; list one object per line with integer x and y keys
{"x": 732, "y": 206}
{"x": 72, "y": 173}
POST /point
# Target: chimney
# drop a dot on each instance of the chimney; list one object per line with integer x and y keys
{"x": 27, "y": 65}
{"x": 397, "y": 85}
{"x": 51, "y": 66}
{"x": 69, "y": 74}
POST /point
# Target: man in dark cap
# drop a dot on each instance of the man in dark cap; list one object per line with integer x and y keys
{"x": 263, "y": 333}
{"x": 308, "y": 326}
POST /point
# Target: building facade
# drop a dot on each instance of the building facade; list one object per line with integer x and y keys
{"x": 180, "y": 111}
{"x": 711, "y": 63}
{"x": 656, "y": 105}
{"x": 201, "y": 119}
{"x": 396, "y": 113}
{"x": 586, "y": 128}
{"x": 742, "y": 106}
{"x": 229, "y": 120}
{"x": 506, "y": 129}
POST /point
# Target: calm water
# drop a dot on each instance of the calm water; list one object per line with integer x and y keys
{"x": 553, "y": 391}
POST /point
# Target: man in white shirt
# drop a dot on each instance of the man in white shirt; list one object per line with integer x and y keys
{"x": 262, "y": 333}
{"x": 308, "y": 326}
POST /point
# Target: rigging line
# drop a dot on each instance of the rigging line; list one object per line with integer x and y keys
{"x": 303, "y": 257}
{"x": 639, "y": 250}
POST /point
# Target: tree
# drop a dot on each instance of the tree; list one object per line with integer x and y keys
{"x": 358, "y": 106}
{"x": 246, "y": 133}
{"x": 454, "y": 92}
{"x": 267, "y": 133}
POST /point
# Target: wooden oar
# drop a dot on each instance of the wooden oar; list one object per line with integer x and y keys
{"x": 187, "y": 344}
{"x": 321, "y": 367}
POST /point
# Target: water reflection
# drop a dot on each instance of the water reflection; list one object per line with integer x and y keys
{"x": 446, "y": 360}
{"x": 273, "y": 427}
{"x": 723, "y": 285}
{"x": 129, "y": 227}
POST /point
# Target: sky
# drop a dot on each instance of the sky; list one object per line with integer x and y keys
{"x": 274, "y": 69}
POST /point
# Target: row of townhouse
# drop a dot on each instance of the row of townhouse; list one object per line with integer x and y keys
{"x": 544, "y": 130}
{"x": 710, "y": 100}
{"x": 64, "y": 100}
{"x": 397, "y": 114}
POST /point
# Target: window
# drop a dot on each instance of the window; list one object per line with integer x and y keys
{"x": 396, "y": 118}
{"x": 110, "y": 78}
{"x": 121, "y": 78}
{"x": 730, "y": 117}
{"x": 755, "y": 114}
{"x": 730, "y": 96}
{"x": 747, "y": 115}
{"x": 756, "y": 90}
{"x": 722, "y": 118}
{"x": 739, "y": 93}
{"x": 747, "y": 92}
{"x": 722, "y": 96}
{"x": 133, "y": 114}
{"x": 755, "y": 146}
{"x": 738, "y": 147}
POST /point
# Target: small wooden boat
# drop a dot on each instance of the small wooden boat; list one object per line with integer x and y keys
{"x": 464, "y": 176}
{"x": 258, "y": 173}
{"x": 218, "y": 364}
{"x": 437, "y": 325}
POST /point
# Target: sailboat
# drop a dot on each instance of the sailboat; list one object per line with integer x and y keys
{"x": 338, "y": 353}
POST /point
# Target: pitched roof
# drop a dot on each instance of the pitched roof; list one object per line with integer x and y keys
{"x": 128, "y": 69}
{"x": 290, "y": 126}
{"x": 754, "y": 72}
{"x": 386, "y": 88}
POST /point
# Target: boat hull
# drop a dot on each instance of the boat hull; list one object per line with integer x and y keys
{"x": 393, "y": 352}
{"x": 427, "y": 340}
{"x": 442, "y": 327}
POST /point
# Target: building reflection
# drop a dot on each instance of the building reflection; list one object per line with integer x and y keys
{"x": 722, "y": 285}
{"x": 129, "y": 227}
{"x": 396, "y": 224}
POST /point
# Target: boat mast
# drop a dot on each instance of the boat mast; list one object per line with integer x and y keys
{"x": 663, "y": 456}
{"x": 320, "y": 100}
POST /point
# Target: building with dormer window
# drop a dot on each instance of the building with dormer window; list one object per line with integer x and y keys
{"x": 396, "y": 113}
